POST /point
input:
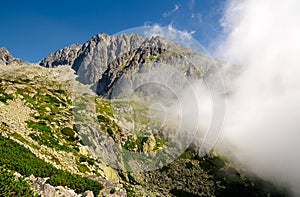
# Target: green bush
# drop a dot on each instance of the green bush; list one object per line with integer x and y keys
{"x": 20, "y": 159}
{"x": 129, "y": 143}
{"x": 9, "y": 186}
{"x": 113, "y": 190}
{"x": 61, "y": 91}
{"x": 68, "y": 132}
{"x": 6, "y": 97}
{"x": 82, "y": 159}
{"x": 103, "y": 119}
{"x": 38, "y": 126}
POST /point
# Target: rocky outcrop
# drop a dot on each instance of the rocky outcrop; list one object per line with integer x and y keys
{"x": 100, "y": 51}
{"x": 65, "y": 56}
{"x": 42, "y": 188}
{"x": 6, "y": 58}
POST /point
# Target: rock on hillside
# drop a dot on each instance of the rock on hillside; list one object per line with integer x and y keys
{"x": 6, "y": 58}
{"x": 65, "y": 56}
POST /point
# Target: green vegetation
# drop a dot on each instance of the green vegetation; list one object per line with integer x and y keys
{"x": 103, "y": 119}
{"x": 112, "y": 191}
{"x": 18, "y": 158}
{"x": 137, "y": 143}
{"x": 229, "y": 181}
{"x": 140, "y": 142}
{"x": 110, "y": 126}
{"x": 51, "y": 106}
{"x": 39, "y": 126}
{"x": 104, "y": 107}
{"x": 129, "y": 143}
{"x": 129, "y": 190}
{"x": 10, "y": 186}
{"x": 86, "y": 159}
{"x": 160, "y": 142}
{"x": 68, "y": 132}
{"x": 83, "y": 168}
{"x": 45, "y": 136}
{"x": 4, "y": 97}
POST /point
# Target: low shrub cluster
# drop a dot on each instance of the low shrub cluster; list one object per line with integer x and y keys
{"x": 10, "y": 186}
{"x": 18, "y": 158}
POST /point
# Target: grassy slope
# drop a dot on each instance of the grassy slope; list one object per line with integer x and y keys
{"x": 52, "y": 126}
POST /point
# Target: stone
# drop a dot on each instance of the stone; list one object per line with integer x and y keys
{"x": 150, "y": 144}
{"x": 88, "y": 194}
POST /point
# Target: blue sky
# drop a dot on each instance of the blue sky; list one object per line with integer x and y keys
{"x": 32, "y": 29}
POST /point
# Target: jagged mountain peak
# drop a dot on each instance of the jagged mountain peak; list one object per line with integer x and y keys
{"x": 99, "y": 51}
{"x": 4, "y": 50}
{"x": 65, "y": 56}
{"x": 103, "y": 37}
{"x": 6, "y": 57}
{"x": 93, "y": 58}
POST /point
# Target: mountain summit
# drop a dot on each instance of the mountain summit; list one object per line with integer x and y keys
{"x": 91, "y": 59}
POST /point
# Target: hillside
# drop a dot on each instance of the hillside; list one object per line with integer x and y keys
{"x": 65, "y": 139}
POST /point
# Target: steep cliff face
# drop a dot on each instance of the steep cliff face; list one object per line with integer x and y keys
{"x": 65, "y": 56}
{"x": 99, "y": 51}
{"x": 158, "y": 59}
{"x": 6, "y": 58}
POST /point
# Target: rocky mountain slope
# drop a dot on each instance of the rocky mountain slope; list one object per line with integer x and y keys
{"x": 65, "y": 56}
{"x": 6, "y": 58}
{"x": 102, "y": 53}
{"x": 64, "y": 139}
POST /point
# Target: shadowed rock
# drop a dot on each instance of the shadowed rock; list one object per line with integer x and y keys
{"x": 65, "y": 56}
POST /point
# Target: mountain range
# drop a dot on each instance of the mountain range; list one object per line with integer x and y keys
{"x": 66, "y": 124}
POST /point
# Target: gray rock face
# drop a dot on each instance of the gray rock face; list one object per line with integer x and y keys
{"x": 104, "y": 59}
{"x": 6, "y": 58}
{"x": 65, "y": 56}
{"x": 156, "y": 59}
{"x": 99, "y": 51}
{"x": 88, "y": 194}
{"x": 42, "y": 188}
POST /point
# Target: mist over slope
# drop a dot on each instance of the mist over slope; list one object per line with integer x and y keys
{"x": 262, "y": 123}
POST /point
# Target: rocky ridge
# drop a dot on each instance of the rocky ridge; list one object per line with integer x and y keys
{"x": 6, "y": 58}
{"x": 104, "y": 59}
{"x": 65, "y": 56}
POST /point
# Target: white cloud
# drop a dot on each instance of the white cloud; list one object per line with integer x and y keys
{"x": 263, "y": 111}
{"x": 183, "y": 38}
{"x": 176, "y": 8}
{"x": 197, "y": 17}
